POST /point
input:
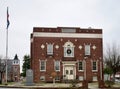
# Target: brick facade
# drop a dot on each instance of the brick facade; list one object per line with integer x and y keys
{"x": 69, "y": 57}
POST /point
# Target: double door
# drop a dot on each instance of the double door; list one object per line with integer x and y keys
{"x": 69, "y": 72}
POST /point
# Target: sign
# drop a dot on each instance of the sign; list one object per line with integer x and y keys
{"x": 29, "y": 77}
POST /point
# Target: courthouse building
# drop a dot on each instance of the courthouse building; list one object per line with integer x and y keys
{"x": 71, "y": 52}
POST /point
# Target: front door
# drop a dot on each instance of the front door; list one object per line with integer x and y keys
{"x": 69, "y": 72}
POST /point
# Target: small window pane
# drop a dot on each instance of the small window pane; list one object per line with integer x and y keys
{"x": 71, "y": 72}
{"x": 67, "y": 72}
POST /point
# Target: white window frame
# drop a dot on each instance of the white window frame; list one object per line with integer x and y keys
{"x": 55, "y": 65}
{"x": 44, "y": 65}
{"x": 82, "y": 66}
{"x": 87, "y": 50}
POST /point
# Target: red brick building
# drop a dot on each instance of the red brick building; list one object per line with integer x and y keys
{"x": 71, "y": 52}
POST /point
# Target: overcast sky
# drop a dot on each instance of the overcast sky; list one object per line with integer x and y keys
{"x": 26, "y": 14}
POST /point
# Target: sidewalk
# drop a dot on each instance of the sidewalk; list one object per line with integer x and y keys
{"x": 47, "y": 85}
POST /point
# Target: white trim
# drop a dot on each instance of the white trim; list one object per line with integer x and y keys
{"x": 71, "y": 35}
{"x": 69, "y": 62}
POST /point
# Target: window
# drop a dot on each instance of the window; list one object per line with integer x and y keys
{"x": 81, "y": 78}
{"x": 42, "y": 78}
{"x": 94, "y": 66}
{"x": 42, "y": 65}
{"x": 49, "y": 49}
{"x": 87, "y": 49}
{"x": 67, "y": 72}
{"x": 80, "y": 66}
{"x": 57, "y": 78}
{"x": 71, "y": 72}
{"x": 57, "y": 65}
{"x": 68, "y": 49}
{"x": 94, "y": 78}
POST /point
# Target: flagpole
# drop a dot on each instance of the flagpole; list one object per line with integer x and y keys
{"x": 6, "y": 52}
{"x": 8, "y": 23}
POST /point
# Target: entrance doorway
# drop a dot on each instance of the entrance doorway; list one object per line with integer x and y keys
{"x": 69, "y": 72}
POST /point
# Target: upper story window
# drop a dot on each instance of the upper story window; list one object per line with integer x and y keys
{"x": 43, "y": 65}
{"x": 68, "y": 49}
{"x": 87, "y": 50}
{"x": 49, "y": 49}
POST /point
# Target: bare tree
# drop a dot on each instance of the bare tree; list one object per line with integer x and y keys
{"x": 2, "y": 69}
{"x": 112, "y": 58}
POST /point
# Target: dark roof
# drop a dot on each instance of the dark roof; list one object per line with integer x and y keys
{"x": 16, "y": 57}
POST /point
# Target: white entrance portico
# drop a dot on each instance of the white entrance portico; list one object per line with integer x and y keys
{"x": 69, "y": 70}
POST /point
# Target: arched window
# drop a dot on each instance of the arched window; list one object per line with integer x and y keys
{"x": 68, "y": 49}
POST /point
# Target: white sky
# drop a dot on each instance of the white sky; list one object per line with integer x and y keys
{"x": 26, "y": 14}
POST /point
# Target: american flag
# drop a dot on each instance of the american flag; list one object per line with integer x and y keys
{"x": 8, "y": 22}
